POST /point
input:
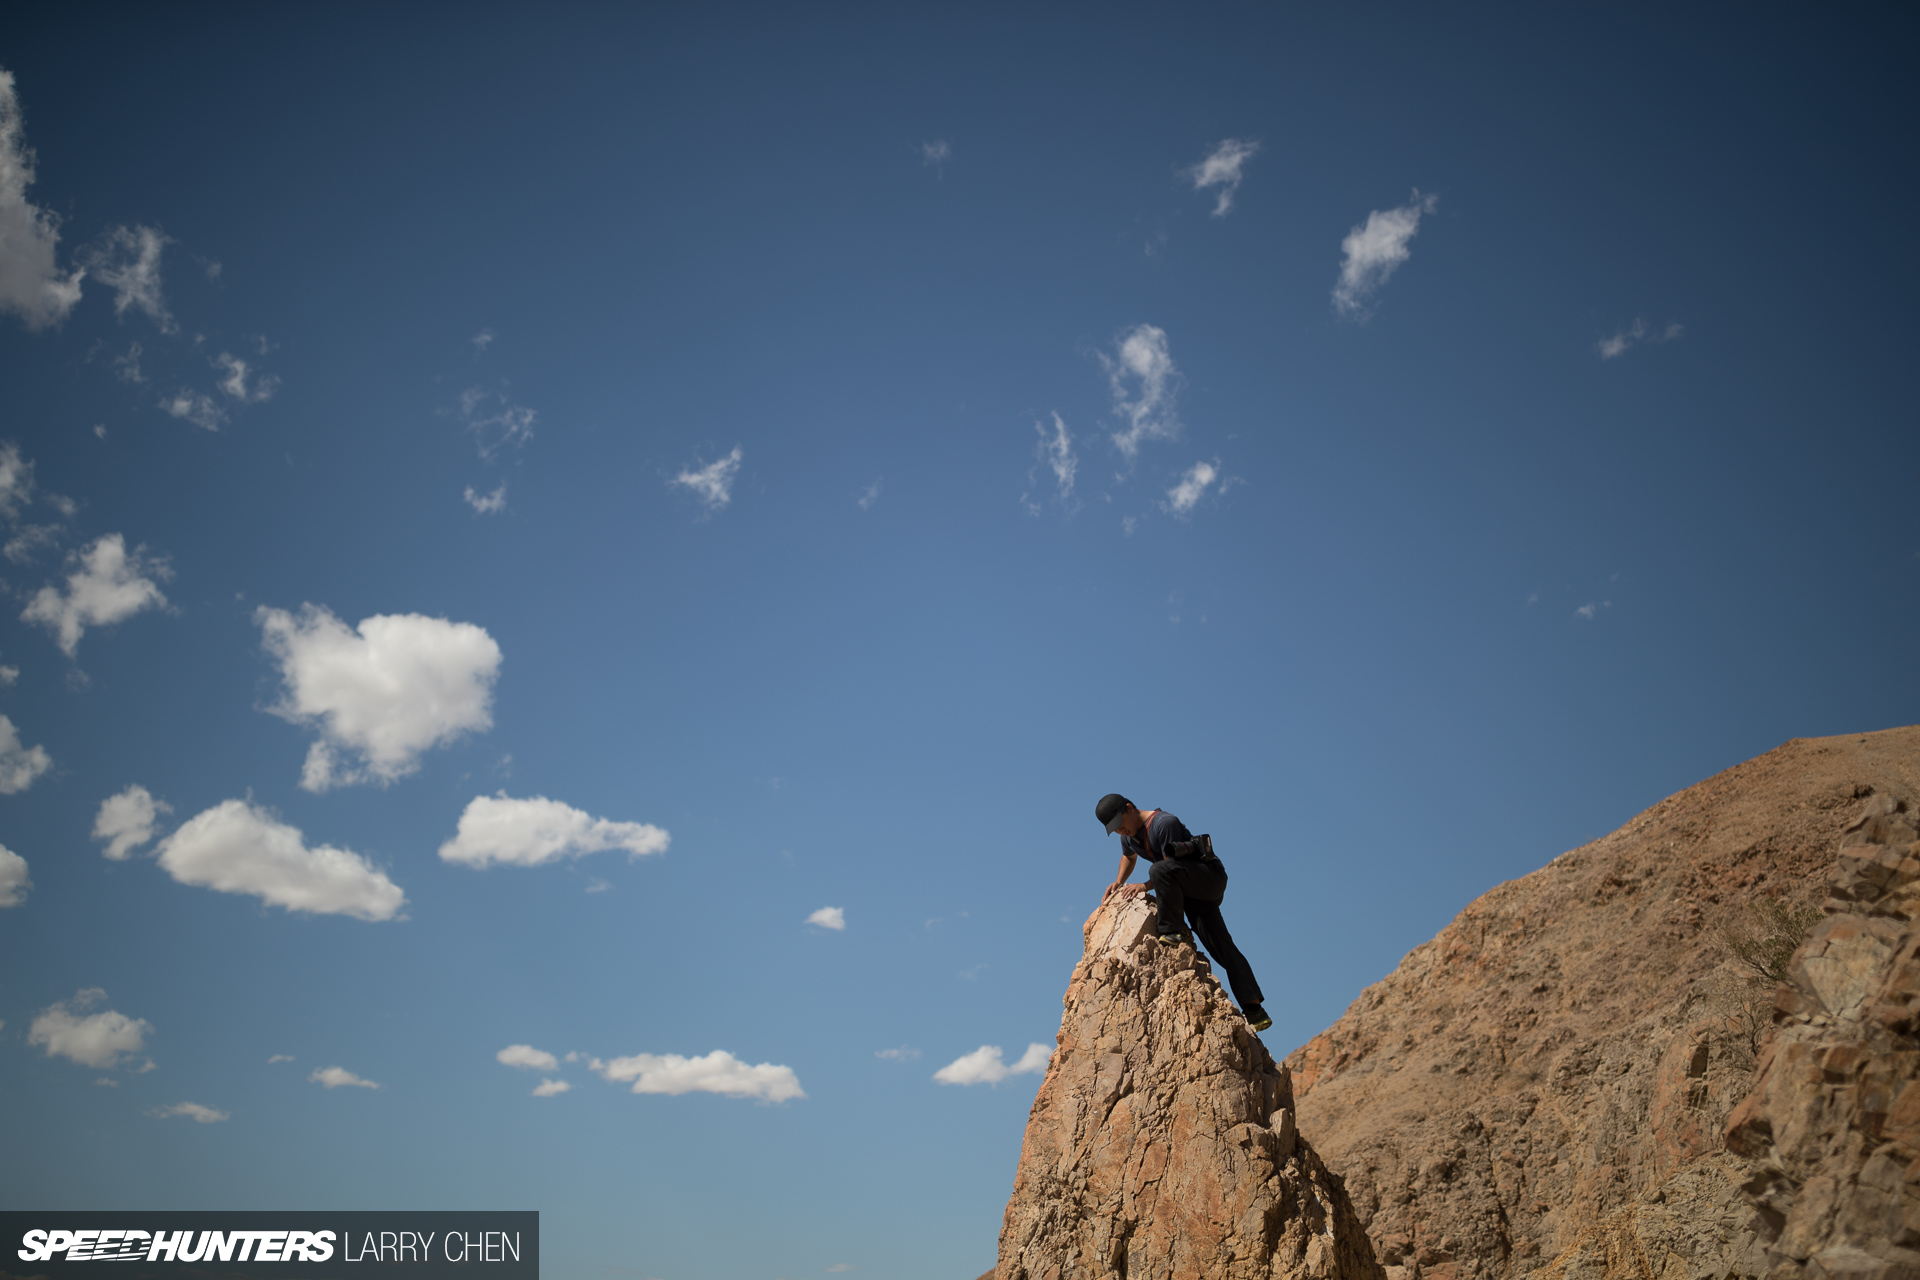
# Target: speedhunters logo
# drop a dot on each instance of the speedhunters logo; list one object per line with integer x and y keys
{"x": 312, "y": 1246}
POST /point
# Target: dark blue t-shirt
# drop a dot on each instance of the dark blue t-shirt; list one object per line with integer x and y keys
{"x": 1163, "y": 829}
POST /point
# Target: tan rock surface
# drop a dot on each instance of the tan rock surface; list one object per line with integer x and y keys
{"x": 1162, "y": 1141}
{"x": 1833, "y": 1122}
{"x": 1544, "y": 1086}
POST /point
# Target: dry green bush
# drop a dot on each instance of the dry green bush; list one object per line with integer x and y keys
{"x": 1759, "y": 945}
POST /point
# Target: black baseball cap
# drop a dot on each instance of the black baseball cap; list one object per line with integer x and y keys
{"x": 1111, "y": 807}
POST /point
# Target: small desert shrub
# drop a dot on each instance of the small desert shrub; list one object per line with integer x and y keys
{"x": 1758, "y": 947}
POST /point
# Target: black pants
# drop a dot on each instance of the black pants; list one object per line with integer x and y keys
{"x": 1195, "y": 886}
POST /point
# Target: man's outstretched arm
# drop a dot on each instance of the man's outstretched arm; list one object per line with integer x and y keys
{"x": 1120, "y": 884}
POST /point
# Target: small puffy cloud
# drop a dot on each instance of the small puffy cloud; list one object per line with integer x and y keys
{"x": 1192, "y": 487}
{"x": 717, "y": 1072}
{"x": 125, "y": 821}
{"x": 127, "y": 260}
{"x": 234, "y": 380}
{"x": 830, "y": 918}
{"x": 1144, "y": 383}
{"x": 488, "y": 504}
{"x": 1374, "y": 250}
{"x": 527, "y": 833}
{"x": 1592, "y": 608}
{"x": 280, "y": 1057}
{"x": 868, "y": 497}
{"x": 905, "y": 1053}
{"x": 1222, "y": 168}
{"x": 483, "y": 339}
{"x": 29, "y": 540}
{"x": 528, "y": 1058}
{"x": 99, "y": 1040}
{"x": 196, "y": 407}
{"x": 495, "y": 420}
{"x": 192, "y": 1110}
{"x": 108, "y": 584}
{"x": 1635, "y": 334}
{"x": 339, "y": 1078}
{"x": 549, "y": 1088}
{"x": 31, "y": 285}
{"x": 14, "y": 882}
{"x": 713, "y": 482}
{"x": 8, "y": 676}
{"x": 16, "y": 474}
{"x": 19, "y": 763}
{"x": 380, "y": 694}
{"x": 986, "y": 1066}
{"x": 936, "y": 154}
{"x": 236, "y": 848}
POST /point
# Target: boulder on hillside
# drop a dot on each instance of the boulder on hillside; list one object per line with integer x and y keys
{"x": 1162, "y": 1142}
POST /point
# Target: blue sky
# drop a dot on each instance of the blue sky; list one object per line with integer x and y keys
{"x": 508, "y": 518}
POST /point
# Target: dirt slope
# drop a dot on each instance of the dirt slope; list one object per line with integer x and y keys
{"x": 1545, "y": 1084}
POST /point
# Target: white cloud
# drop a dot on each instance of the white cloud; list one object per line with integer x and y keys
{"x": 1374, "y": 251}
{"x": 25, "y": 546}
{"x": 203, "y": 1115}
{"x": 495, "y": 420}
{"x": 488, "y": 504}
{"x": 127, "y": 260}
{"x": 16, "y": 473}
{"x": 837, "y": 1268}
{"x": 549, "y": 1088}
{"x": 126, "y": 820}
{"x": 830, "y": 918}
{"x": 717, "y": 1072}
{"x": 713, "y": 482}
{"x": 1056, "y": 451}
{"x": 1144, "y": 383}
{"x": 235, "y": 372}
{"x": 31, "y": 286}
{"x": 64, "y": 505}
{"x": 381, "y": 694}
{"x": 872, "y": 495}
{"x": 108, "y": 584}
{"x": 1635, "y": 334}
{"x": 527, "y": 833}
{"x": 597, "y": 885}
{"x": 98, "y": 1040}
{"x": 13, "y": 878}
{"x": 1221, "y": 169}
{"x": 196, "y": 407}
{"x": 127, "y": 367}
{"x": 527, "y": 1058}
{"x": 905, "y": 1053}
{"x": 985, "y": 1066}
{"x": 936, "y": 153}
{"x": 19, "y": 763}
{"x": 8, "y": 675}
{"x": 1182, "y": 497}
{"x": 280, "y": 1057}
{"x": 483, "y": 339}
{"x": 339, "y": 1077}
{"x": 236, "y": 848}
{"x": 1591, "y": 608}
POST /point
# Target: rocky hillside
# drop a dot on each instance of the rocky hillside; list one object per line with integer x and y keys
{"x": 1162, "y": 1142}
{"x": 1546, "y": 1084}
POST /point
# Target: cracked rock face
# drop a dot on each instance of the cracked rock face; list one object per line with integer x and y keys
{"x": 1542, "y": 1090}
{"x": 1162, "y": 1142}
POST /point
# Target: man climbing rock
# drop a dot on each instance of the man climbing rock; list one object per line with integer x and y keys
{"x": 1185, "y": 876}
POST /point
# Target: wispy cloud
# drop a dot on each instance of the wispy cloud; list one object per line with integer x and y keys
{"x": 1592, "y": 609}
{"x": 68, "y": 1029}
{"x": 483, "y": 339}
{"x": 339, "y": 1078}
{"x": 1222, "y": 168}
{"x": 196, "y": 407}
{"x": 126, "y": 367}
{"x": 1635, "y": 334}
{"x": 108, "y": 584}
{"x": 126, "y": 821}
{"x": 1055, "y": 452}
{"x": 1192, "y": 487}
{"x": 905, "y": 1053}
{"x": 192, "y": 1110}
{"x": 16, "y": 481}
{"x": 32, "y": 286}
{"x": 280, "y": 1057}
{"x": 872, "y": 495}
{"x": 935, "y": 154}
{"x": 1374, "y": 251}
{"x": 717, "y": 1072}
{"x": 713, "y": 482}
{"x": 985, "y": 1065}
{"x": 19, "y": 763}
{"x": 1144, "y": 383}
{"x": 14, "y": 881}
{"x": 496, "y": 421}
{"x": 488, "y": 504}
{"x": 829, "y": 918}
{"x": 29, "y": 540}
{"x": 127, "y": 260}
{"x": 382, "y": 693}
{"x": 235, "y": 373}
{"x": 526, "y": 833}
